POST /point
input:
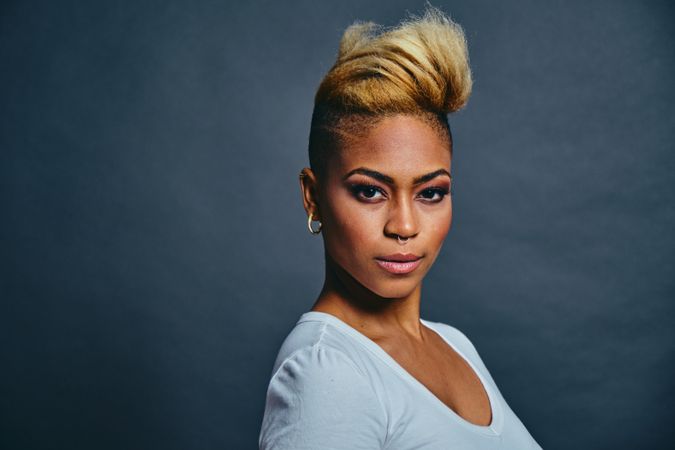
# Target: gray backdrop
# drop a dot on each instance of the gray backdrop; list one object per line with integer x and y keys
{"x": 155, "y": 250}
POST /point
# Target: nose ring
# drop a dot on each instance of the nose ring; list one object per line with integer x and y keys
{"x": 401, "y": 241}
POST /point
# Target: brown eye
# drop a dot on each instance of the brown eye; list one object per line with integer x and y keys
{"x": 366, "y": 191}
{"x": 434, "y": 195}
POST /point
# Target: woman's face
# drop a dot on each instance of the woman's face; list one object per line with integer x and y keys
{"x": 394, "y": 181}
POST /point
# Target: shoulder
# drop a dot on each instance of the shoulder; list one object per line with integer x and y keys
{"x": 456, "y": 336}
{"x": 318, "y": 334}
{"x": 319, "y": 397}
{"x": 458, "y": 339}
{"x": 318, "y": 364}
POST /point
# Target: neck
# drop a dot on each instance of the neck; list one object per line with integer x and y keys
{"x": 346, "y": 298}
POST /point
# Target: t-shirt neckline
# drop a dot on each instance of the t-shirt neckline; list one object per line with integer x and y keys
{"x": 496, "y": 425}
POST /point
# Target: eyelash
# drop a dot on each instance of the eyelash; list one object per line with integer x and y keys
{"x": 358, "y": 188}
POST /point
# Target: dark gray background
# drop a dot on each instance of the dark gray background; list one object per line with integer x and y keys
{"x": 155, "y": 250}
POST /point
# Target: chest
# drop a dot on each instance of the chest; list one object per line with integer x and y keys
{"x": 446, "y": 374}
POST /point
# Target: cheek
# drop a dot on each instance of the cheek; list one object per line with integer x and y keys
{"x": 440, "y": 225}
{"x": 349, "y": 228}
{"x": 354, "y": 226}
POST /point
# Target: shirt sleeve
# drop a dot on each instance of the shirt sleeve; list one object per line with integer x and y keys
{"x": 319, "y": 399}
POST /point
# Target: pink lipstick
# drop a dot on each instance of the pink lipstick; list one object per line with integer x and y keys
{"x": 399, "y": 263}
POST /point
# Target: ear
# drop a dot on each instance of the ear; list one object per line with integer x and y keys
{"x": 309, "y": 189}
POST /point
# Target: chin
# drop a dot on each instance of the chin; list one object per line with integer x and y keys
{"x": 382, "y": 284}
{"x": 395, "y": 292}
{"x": 392, "y": 288}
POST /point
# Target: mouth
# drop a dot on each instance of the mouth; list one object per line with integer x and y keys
{"x": 399, "y": 263}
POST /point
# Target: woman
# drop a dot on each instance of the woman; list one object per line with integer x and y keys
{"x": 361, "y": 369}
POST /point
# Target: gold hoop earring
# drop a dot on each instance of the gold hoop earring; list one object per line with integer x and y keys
{"x": 309, "y": 225}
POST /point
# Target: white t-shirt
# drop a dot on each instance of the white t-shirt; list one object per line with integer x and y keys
{"x": 334, "y": 388}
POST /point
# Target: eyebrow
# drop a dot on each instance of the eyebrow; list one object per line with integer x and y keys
{"x": 389, "y": 180}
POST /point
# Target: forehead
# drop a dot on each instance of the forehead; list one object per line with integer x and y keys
{"x": 401, "y": 146}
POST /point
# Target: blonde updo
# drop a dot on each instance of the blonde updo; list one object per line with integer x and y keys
{"x": 419, "y": 67}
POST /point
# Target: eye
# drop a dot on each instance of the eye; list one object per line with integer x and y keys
{"x": 434, "y": 195}
{"x": 366, "y": 191}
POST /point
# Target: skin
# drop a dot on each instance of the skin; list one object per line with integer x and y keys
{"x": 361, "y": 223}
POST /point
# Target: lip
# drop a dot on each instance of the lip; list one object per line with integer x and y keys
{"x": 399, "y": 263}
{"x": 400, "y": 257}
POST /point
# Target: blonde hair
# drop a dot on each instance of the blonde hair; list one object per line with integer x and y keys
{"x": 419, "y": 67}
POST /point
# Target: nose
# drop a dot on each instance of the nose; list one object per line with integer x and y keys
{"x": 402, "y": 219}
